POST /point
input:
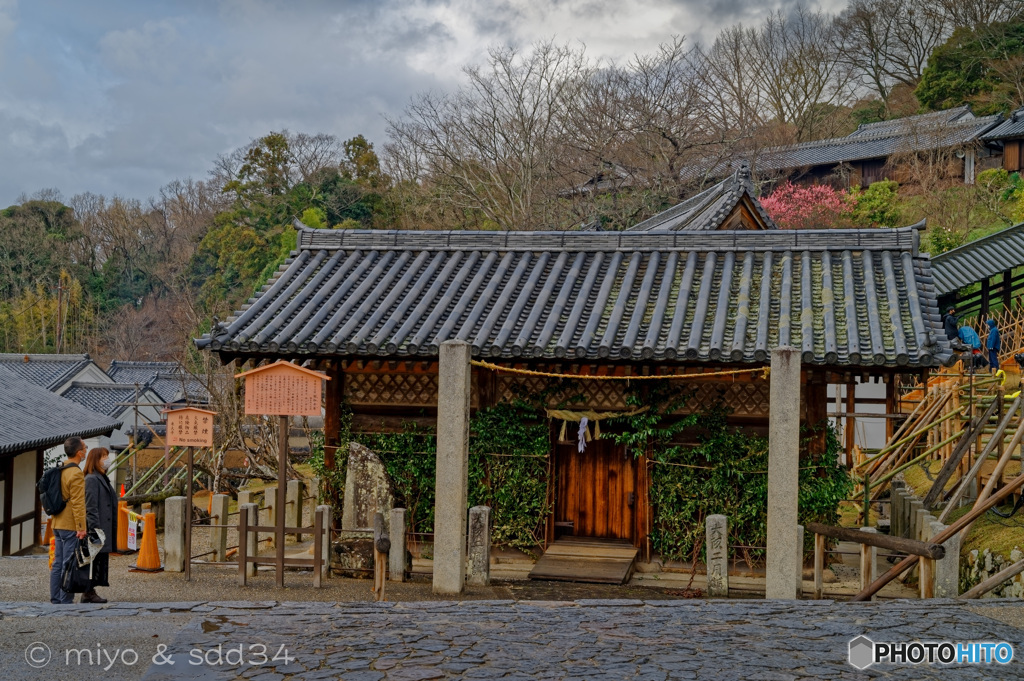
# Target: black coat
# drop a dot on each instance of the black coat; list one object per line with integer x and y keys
{"x": 951, "y": 325}
{"x": 101, "y": 508}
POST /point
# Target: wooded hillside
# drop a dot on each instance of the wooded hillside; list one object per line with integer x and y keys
{"x": 544, "y": 137}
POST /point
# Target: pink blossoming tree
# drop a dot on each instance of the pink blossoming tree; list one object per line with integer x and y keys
{"x": 815, "y": 206}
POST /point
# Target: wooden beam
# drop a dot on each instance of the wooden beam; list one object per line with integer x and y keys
{"x": 882, "y": 541}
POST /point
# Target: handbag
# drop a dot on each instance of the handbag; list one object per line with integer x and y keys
{"x": 76, "y": 578}
{"x": 76, "y": 575}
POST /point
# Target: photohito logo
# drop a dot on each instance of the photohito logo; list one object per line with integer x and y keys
{"x": 864, "y": 652}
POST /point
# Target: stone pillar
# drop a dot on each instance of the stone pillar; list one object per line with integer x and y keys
{"x": 220, "y": 534}
{"x": 783, "y": 471}
{"x": 244, "y": 497}
{"x": 325, "y": 544}
{"x": 479, "y": 552}
{"x": 396, "y": 557}
{"x": 293, "y": 505}
{"x": 313, "y": 487}
{"x": 716, "y": 536}
{"x": 174, "y": 534}
{"x": 452, "y": 468}
{"x": 868, "y": 560}
{"x": 252, "y": 538}
{"x": 947, "y": 570}
{"x": 269, "y": 516}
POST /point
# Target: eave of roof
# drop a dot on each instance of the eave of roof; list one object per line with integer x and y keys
{"x": 978, "y": 260}
{"x": 715, "y": 296}
{"x": 32, "y": 417}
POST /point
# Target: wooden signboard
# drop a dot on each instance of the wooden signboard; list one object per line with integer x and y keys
{"x": 190, "y": 427}
{"x": 283, "y": 389}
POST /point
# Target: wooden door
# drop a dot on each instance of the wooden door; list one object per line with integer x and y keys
{"x": 595, "y": 491}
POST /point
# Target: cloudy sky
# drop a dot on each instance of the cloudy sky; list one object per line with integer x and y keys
{"x": 121, "y": 96}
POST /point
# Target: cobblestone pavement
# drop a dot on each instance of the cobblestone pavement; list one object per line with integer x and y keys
{"x": 587, "y": 639}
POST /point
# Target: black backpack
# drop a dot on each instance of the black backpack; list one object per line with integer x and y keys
{"x": 50, "y": 493}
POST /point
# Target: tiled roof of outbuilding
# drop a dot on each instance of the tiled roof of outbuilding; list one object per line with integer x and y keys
{"x": 1011, "y": 127}
{"x": 878, "y": 140}
{"x": 46, "y": 371}
{"x": 709, "y": 209}
{"x": 105, "y": 398}
{"x": 169, "y": 380}
{"x": 978, "y": 260}
{"x": 845, "y": 297}
{"x": 32, "y": 417}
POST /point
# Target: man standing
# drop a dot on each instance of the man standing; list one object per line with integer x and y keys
{"x": 950, "y": 324}
{"x": 994, "y": 345}
{"x": 68, "y": 525}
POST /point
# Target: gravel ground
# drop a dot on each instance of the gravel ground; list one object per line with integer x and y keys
{"x": 27, "y": 579}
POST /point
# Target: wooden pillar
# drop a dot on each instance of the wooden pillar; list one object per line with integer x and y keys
{"x": 851, "y": 422}
{"x": 1007, "y": 290}
{"x": 38, "y": 523}
{"x": 332, "y": 412}
{"x": 333, "y": 398}
{"x": 986, "y": 289}
{"x": 890, "y": 406}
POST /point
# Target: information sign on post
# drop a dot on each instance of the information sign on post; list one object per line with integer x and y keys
{"x": 189, "y": 427}
{"x": 282, "y": 389}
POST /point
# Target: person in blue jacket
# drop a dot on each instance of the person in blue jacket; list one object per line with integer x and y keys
{"x": 994, "y": 344}
{"x": 970, "y": 338}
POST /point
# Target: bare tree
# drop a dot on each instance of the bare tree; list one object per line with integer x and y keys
{"x": 802, "y": 75}
{"x": 493, "y": 139}
{"x": 887, "y": 42}
{"x": 976, "y": 13}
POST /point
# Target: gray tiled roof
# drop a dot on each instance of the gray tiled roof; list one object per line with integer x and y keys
{"x": 102, "y": 397}
{"x": 1011, "y": 127}
{"x": 913, "y": 133}
{"x": 978, "y": 260}
{"x": 709, "y": 209}
{"x": 32, "y": 417}
{"x": 846, "y": 297}
{"x": 169, "y": 380}
{"x": 46, "y": 371}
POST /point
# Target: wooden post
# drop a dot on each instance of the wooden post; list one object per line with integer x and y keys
{"x": 851, "y": 422}
{"x": 819, "y": 565}
{"x": 243, "y": 543}
{"x": 867, "y": 560}
{"x": 188, "y": 515}
{"x": 986, "y": 288}
{"x": 332, "y": 421}
{"x": 1007, "y": 290}
{"x": 282, "y": 482}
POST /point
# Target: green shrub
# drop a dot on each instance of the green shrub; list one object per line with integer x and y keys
{"x": 876, "y": 206}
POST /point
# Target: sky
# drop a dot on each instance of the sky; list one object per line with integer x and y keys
{"x": 120, "y": 97}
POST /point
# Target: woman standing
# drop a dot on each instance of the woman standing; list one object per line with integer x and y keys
{"x": 100, "y": 513}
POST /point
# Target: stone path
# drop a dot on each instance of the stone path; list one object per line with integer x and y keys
{"x": 588, "y": 639}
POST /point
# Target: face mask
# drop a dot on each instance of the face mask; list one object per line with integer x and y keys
{"x": 108, "y": 462}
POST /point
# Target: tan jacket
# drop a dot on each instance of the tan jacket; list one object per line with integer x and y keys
{"x": 72, "y": 486}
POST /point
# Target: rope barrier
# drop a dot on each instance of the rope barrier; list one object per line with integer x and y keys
{"x": 764, "y": 371}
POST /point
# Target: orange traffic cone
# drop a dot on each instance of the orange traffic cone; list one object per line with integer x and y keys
{"x": 149, "y": 556}
{"x": 121, "y": 496}
{"x": 122, "y": 527}
{"x": 48, "y": 533}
